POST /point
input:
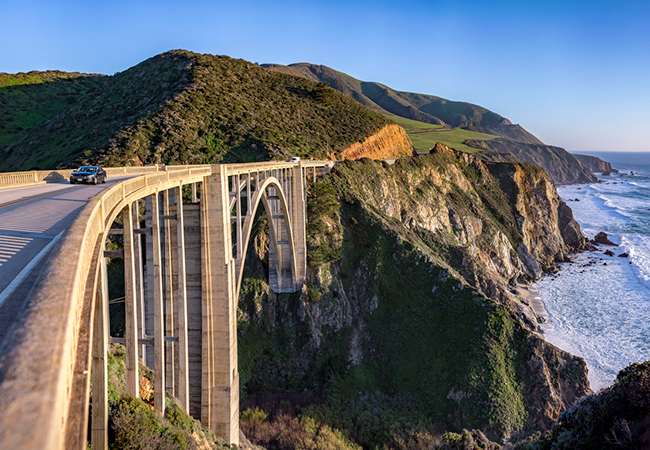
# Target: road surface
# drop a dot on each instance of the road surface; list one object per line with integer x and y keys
{"x": 31, "y": 221}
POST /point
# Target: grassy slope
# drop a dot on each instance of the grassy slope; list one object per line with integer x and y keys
{"x": 82, "y": 131}
{"x": 424, "y": 135}
{"x": 182, "y": 107}
{"x": 28, "y": 99}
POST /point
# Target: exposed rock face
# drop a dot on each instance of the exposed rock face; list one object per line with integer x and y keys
{"x": 595, "y": 164}
{"x": 601, "y": 238}
{"x": 420, "y": 312}
{"x": 388, "y": 143}
{"x": 561, "y": 166}
{"x": 546, "y": 223}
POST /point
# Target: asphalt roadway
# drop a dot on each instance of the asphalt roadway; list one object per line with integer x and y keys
{"x": 32, "y": 219}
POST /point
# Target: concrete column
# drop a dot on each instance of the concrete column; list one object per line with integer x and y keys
{"x": 298, "y": 225}
{"x": 170, "y": 371}
{"x": 222, "y": 362}
{"x": 149, "y": 283}
{"x": 130, "y": 306}
{"x": 181, "y": 302}
{"x": 238, "y": 221}
{"x": 99, "y": 425}
{"x": 159, "y": 325}
{"x": 139, "y": 277}
{"x": 207, "y": 332}
{"x": 194, "y": 293}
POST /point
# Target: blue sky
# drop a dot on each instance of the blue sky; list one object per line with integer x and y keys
{"x": 574, "y": 73}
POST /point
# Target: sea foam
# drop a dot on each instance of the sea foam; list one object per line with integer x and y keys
{"x": 599, "y": 305}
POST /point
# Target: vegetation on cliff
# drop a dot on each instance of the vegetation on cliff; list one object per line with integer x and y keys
{"x": 409, "y": 325}
{"x": 617, "y": 417}
{"x": 186, "y": 108}
{"x": 133, "y": 423}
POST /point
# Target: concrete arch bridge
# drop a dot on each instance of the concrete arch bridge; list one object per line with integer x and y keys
{"x": 185, "y": 231}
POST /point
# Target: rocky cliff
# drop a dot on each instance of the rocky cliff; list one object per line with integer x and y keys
{"x": 388, "y": 143}
{"x": 561, "y": 166}
{"x": 595, "y": 164}
{"x": 411, "y": 323}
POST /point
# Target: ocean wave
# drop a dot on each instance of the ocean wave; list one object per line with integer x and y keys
{"x": 599, "y": 307}
{"x": 600, "y": 312}
{"x": 639, "y": 246}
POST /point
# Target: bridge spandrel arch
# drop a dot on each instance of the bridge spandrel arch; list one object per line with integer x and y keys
{"x": 283, "y": 245}
{"x": 279, "y": 187}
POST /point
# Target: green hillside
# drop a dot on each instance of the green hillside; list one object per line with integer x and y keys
{"x": 28, "y": 99}
{"x": 186, "y": 108}
{"x": 425, "y": 136}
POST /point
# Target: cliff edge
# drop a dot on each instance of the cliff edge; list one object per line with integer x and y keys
{"x": 595, "y": 164}
{"x": 561, "y": 166}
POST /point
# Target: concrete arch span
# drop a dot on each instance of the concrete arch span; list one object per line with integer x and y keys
{"x": 281, "y": 234}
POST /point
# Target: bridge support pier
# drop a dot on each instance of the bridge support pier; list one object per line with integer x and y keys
{"x": 99, "y": 419}
{"x": 158, "y": 308}
{"x": 181, "y": 327}
{"x": 220, "y": 403}
{"x": 130, "y": 305}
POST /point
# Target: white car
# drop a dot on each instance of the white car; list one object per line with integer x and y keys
{"x": 295, "y": 159}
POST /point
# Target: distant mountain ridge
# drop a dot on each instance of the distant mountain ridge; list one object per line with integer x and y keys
{"x": 421, "y": 107}
{"x": 510, "y": 139}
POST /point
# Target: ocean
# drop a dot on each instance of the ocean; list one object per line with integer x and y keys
{"x": 599, "y": 305}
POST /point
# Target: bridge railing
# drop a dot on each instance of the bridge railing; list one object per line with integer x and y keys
{"x": 31, "y": 177}
{"x": 27, "y": 178}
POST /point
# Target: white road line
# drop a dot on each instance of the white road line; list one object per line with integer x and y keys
{"x": 28, "y": 268}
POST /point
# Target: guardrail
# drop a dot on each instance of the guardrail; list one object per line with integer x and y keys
{"x": 32, "y": 177}
{"x": 45, "y": 372}
{"x": 28, "y": 178}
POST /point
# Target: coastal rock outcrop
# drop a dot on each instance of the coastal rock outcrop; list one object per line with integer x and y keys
{"x": 601, "y": 238}
{"x": 595, "y": 164}
{"x": 561, "y": 166}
